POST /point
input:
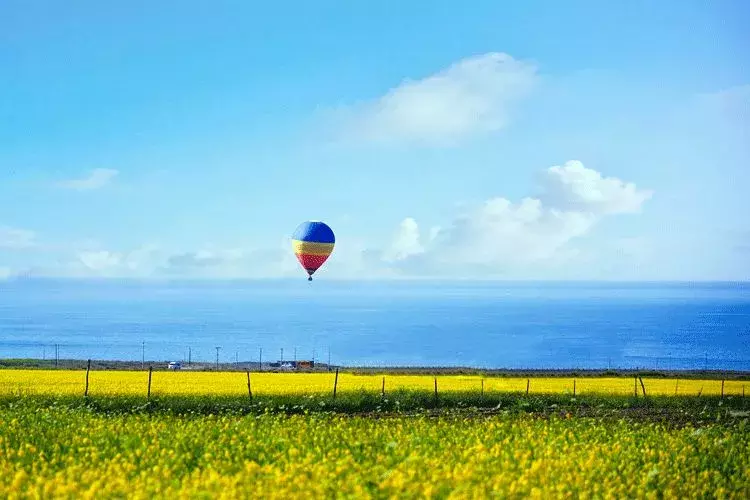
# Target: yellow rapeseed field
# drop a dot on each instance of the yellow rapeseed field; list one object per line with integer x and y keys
{"x": 51, "y": 450}
{"x": 62, "y": 453}
{"x": 68, "y": 382}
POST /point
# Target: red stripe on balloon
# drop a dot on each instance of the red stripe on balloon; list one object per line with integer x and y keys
{"x": 311, "y": 262}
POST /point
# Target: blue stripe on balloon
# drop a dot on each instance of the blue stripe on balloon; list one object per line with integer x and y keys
{"x": 314, "y": 231}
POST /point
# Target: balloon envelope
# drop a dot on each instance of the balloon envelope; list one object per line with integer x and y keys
{"x": 313, "y": 242}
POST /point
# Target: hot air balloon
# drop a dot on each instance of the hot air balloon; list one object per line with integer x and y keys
{"x": 313, "y": 243}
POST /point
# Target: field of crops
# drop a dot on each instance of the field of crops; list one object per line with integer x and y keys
{"x": 72, "y": 382}
{"x": 200, "y": 435}
{"x": 50, "y": 452}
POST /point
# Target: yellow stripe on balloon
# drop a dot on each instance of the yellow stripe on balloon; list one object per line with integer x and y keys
{"x": 312, "y": 248}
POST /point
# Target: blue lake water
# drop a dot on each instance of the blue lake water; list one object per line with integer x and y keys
{"x": 498, "y": 325}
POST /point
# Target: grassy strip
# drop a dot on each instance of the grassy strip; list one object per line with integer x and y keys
{"x": 676, "y": 409}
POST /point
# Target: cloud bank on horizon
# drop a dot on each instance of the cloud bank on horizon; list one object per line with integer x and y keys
{"x": 497, "y": 238}
{"x": 485, "y": 165}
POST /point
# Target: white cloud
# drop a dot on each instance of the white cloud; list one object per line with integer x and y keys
{"x": 97, "y": 178}
{"x": 230, "y": 263}
{"x": 150, "y": 261}
{"x": 500, "y": 237}
{"x": 474, "y": 95}
{"x": 140, "y": 262}
{"x": 194, "y": 260}
{"x": 349, "y": 259}
{"x": 16, "y": 239}
{"x": 206, "y": 262}
{"x": 575, "y": 187}
{"x": 100, "y": 261}
{"x": 405, "y": 242}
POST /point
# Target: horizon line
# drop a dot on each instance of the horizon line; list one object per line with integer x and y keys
{"x": 153, "y": 279}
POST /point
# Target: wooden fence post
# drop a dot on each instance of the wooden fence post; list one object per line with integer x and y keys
{"x": 150, "y": 369}
{"x": 574, "y": 387}
{"x": 249, "y": 389}
{"x": 675, "y": 387}
{"x": 722, "y": 388}
{"x": 481, "y": 393}
{"x": 335, "y": 383}
{"x": 88, "y": 368}
{"x": 635, "y": 386}
{"x": 436, "y": 391}
{"x": 382, "y": 389}
{"x": 528, "y": 383}
{"x": 643, "y": 387}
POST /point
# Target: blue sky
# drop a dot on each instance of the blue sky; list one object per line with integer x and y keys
{"x": 542, "y": 140}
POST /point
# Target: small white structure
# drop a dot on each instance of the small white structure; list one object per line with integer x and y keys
{"x": 174, "y": 365}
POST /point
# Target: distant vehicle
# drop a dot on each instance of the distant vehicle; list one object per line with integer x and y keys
{"x": 175, "y": 365}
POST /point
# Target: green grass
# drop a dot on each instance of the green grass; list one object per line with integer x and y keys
{"x": 676, "y": 409}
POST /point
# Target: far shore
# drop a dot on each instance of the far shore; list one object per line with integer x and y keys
{"x": 78, "y": 364}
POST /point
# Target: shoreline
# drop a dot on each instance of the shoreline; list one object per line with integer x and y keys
{"x": 115, "y": 365}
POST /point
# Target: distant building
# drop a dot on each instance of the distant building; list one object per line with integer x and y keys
{"x": 293, "y": 365}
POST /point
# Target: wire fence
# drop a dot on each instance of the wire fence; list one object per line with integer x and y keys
{"x": 148, "y": 382}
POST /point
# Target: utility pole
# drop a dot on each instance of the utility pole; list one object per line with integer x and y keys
{"x": 236, "y": 357}
{"x": 282, "y": 354}
{"x": 143, "y": 354}
{"x": 313, "y": 360}
{"x": 260, "y": 360}
{"x": 295, "y": 356}
{"x": 57, "y": 354}
{"x": 217, "y": 357}
{"x": 190, "y": 355}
